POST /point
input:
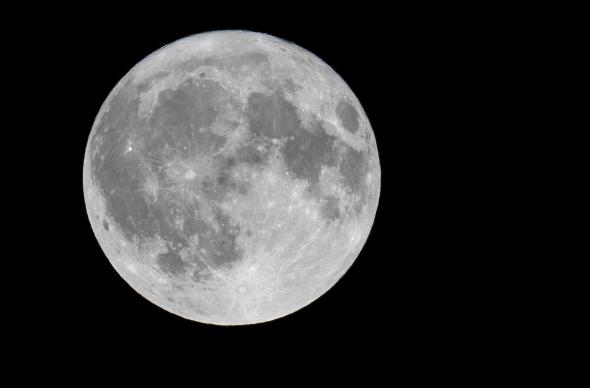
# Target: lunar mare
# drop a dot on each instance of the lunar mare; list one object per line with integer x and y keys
{"x": 231, "y": 177}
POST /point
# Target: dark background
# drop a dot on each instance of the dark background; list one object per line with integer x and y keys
{"x": 417, "y": 289}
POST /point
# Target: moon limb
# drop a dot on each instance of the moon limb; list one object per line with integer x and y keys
{"x": 294, "y": 79}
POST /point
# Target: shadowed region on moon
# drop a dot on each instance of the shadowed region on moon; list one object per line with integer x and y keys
{"x": 231, "y": 178}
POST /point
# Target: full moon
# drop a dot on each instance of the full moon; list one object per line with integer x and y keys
{"x": 231, "y": 177}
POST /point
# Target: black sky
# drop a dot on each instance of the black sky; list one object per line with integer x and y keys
{"x": 415, "y": 74}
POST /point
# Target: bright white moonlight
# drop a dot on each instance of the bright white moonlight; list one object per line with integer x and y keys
{"x": 231, "y": 177}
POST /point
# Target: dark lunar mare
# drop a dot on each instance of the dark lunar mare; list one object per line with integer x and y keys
{"x": 179, "y": 117}
{"x": 271, "y": 116}
{"x": 116, "y": 172}
{"x": 307, "y": 150}
{"x": 172, "y": 131}
{"x": 354, "y": 168}
{"x": 348, "y": 116}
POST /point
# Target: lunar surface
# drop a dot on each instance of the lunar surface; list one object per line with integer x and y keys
{"x": 231, "y": 177}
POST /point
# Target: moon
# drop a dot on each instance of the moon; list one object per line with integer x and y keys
{"x": 231, "y": 177}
